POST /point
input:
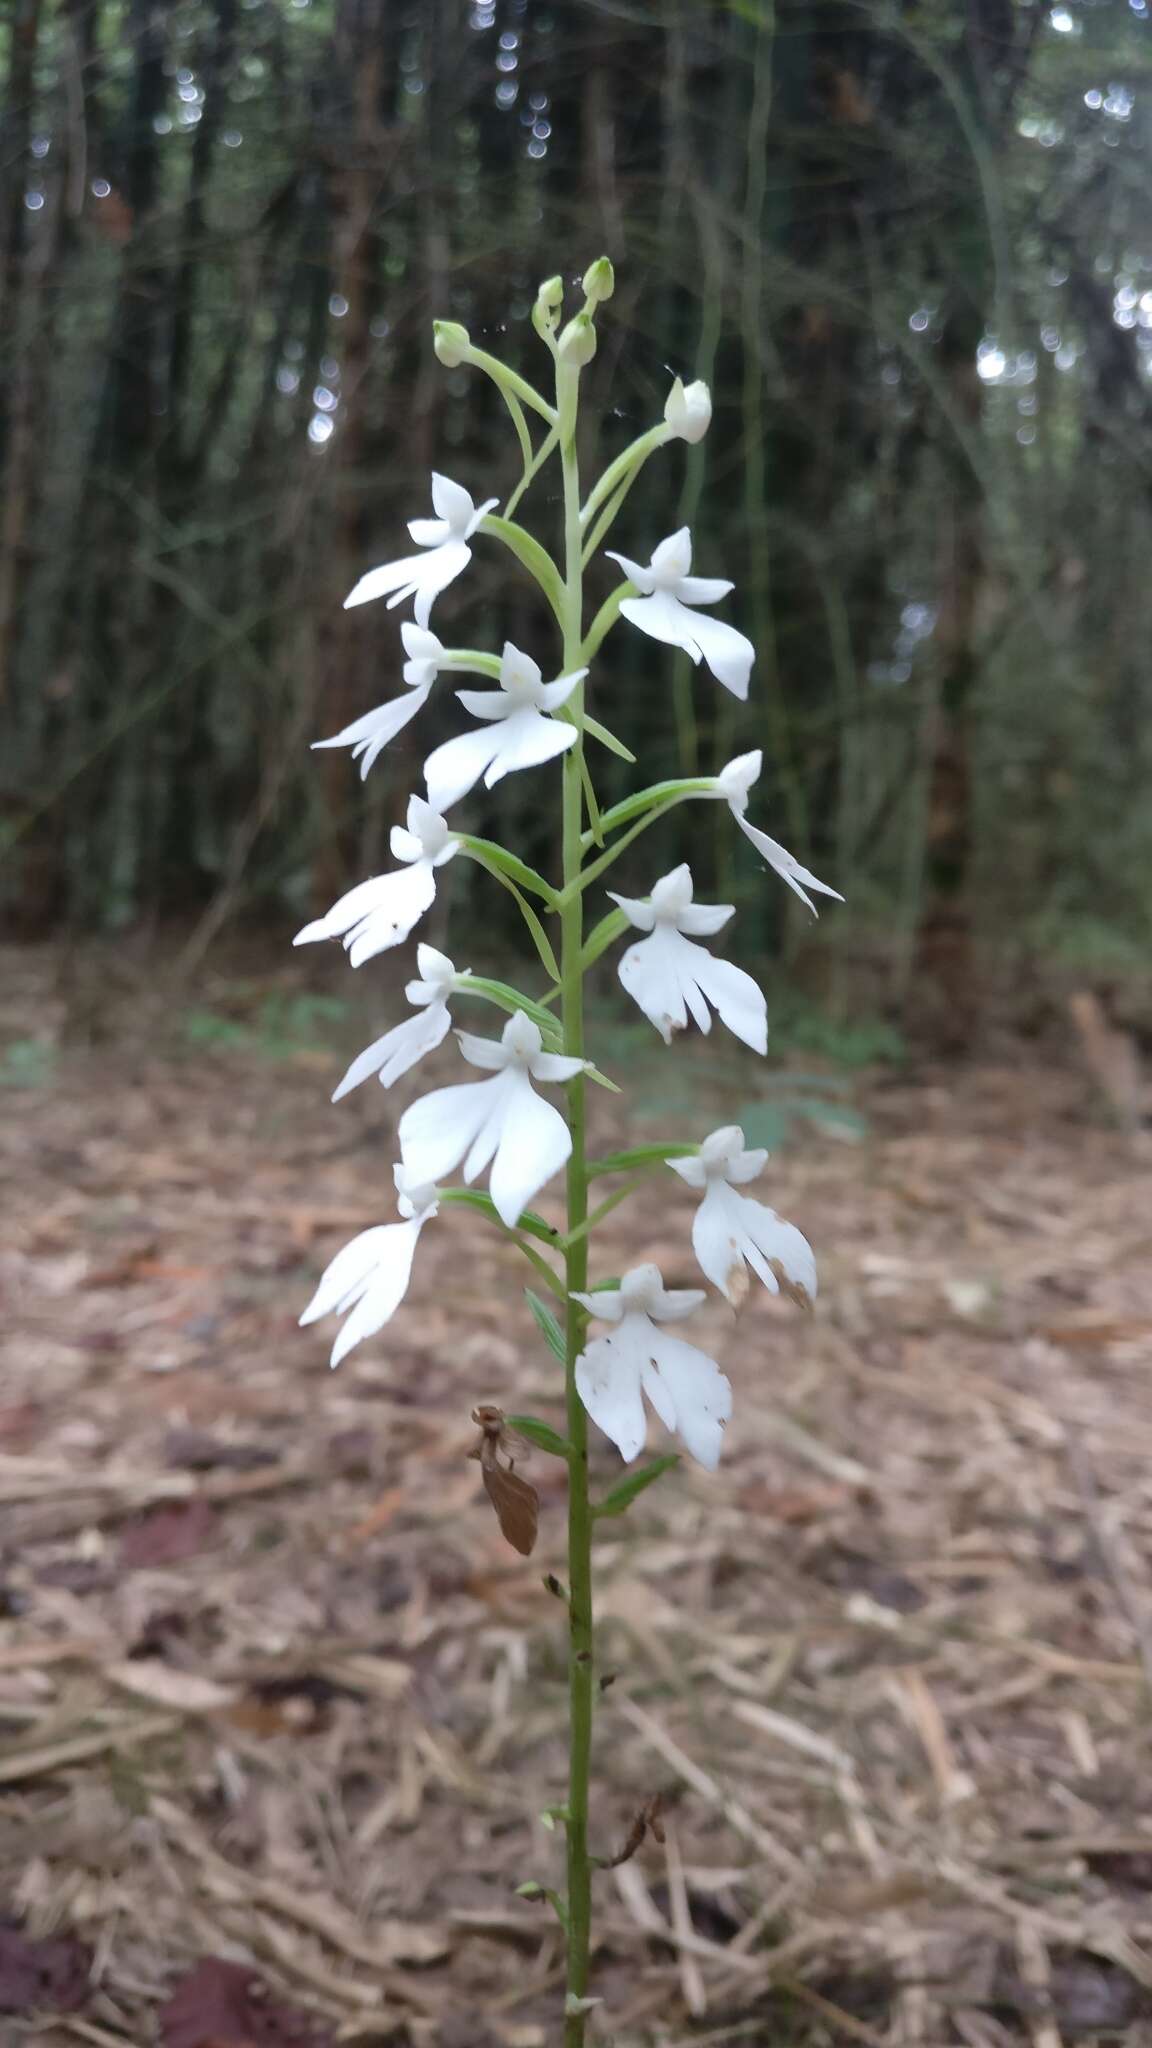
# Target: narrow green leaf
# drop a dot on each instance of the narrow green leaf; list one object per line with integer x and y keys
{"x": 548, "y": 1326}
{"x": 608, "y": 739}
{"x": 540, "y": 938}
{"x": 531, "y": 556}
{"x": 602, "y": 1081}
{"x": 602, "y": 936}
{"x": 507, "y": 998}
{"x": 622, "y": 1496}
{"x": 538, "y": 1433}
{"x": 640, "y": 1155}
{"x": 475, "y": 1198}
{"x": 498, "y": 859}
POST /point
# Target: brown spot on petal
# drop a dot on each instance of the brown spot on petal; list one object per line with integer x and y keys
{"x": 791, "y": 1288}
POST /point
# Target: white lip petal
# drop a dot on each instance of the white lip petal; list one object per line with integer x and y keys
{"x": 669, "y": 976}
{"x": 728, "y": 654}
{"x": 401, "y": 902}
{"x": 734, "y": 996}
{"x": 436, "y": 1131}
{"x": 453, "y": 769}
{"x": 527, "y": 740}
{"x": 534, "y": 1144}
{"x": 346, "y": 911}
{"x": 684, "y": 1384}
{"x": 384, "y": 1291}
{"x": 652, "y": 976}
{"x": 664, "y": 618}
{"x": 372, "y": 733}
{"x": 344, "y": 1275}
{"x": 786, "y": 866}
{"x": 400, "y": 1049}
{"x": 608, "y": 1382}
{"x": 730, "y": 1229}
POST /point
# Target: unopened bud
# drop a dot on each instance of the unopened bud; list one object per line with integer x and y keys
{"x": 450, "y": 342}
{"x": 529, "y": 1890}
{"x": 546, "y": 311}
{"x": 599, "y": 281}
{"x": 688, "y": 410}
{"x": 577, "y": 344}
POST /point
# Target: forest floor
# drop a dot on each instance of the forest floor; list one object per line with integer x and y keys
{"x": 275, "y": 1694}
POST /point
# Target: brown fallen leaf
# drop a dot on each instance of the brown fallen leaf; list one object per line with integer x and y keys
{"x": 223, "y": 2005}
{"x": 168, "y": 1535}
{"x": 42, "y": 1976}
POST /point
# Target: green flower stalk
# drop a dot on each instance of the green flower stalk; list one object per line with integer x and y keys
{"x": 506, "y": 1124}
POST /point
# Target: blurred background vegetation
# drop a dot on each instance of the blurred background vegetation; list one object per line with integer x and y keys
{"x": 907, "y": 242}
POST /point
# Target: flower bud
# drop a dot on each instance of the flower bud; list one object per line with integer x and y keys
{"x": 599, "y": 281}
{"x": 546, "y": 311}
{"x": 577, "y": 344}
{"x": 688, "y": 411}
{"x": 450, "y": 342}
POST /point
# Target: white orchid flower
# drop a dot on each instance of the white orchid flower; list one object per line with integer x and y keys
{"x": 688, "y": 411}
{"x": 381, "y": 912}
{"x": 664, "y": 609}
{"x": 370, "y": 1275}
{"x": 368, "y": 736}
{"x": 686, "y": 1388}
{"x": 733, "y": 784}
{"x": 502, "y": 1121}
{"x": 731, "y": 1232}
{"x": 518, "y": 731}
{"x": 406, "y": 1044}
{"x": 671, "y": 978}
{"x": 446, "y": 540}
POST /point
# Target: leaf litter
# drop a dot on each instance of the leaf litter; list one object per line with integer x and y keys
{"x": 282, "y": 1710}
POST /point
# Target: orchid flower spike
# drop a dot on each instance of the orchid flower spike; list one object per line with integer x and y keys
{"x": 446, "y": 539}
{"x": 368, "y": 736}
{"x": 370, "y": 1275}
{"x": 669, "y": 977}
{"x": 663, "y": 609}
{"x": 688, "y": 412}
{"x": 733, "y": 784}
{"x": 518, "y": 731}
{"x": 502, "y": 1121}
{"x": 686, "y": 1388}
{"x": 408, "y": 1043}
{"x": 731, "y": 1232}
{"x": 381, "y": 912}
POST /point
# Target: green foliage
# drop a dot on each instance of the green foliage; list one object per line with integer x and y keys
{"x": 27, "y": 1063}
{"x": 547, "y": 1324}
{"x": 620, "y": 1499}
{"x": 282, "y": 1027}
{"x": 541, "y": 1435}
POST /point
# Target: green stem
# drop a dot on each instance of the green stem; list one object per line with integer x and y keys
{"x": 580, "y": 1669}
